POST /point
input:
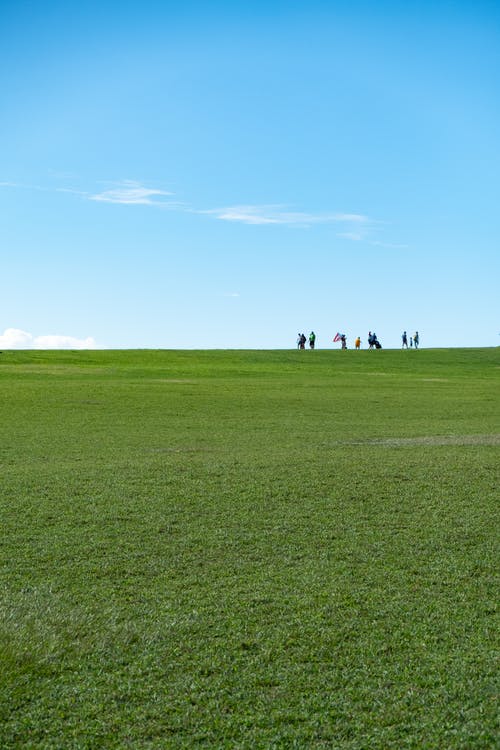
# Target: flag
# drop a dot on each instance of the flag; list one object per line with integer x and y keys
{"x": 336, "y": 338}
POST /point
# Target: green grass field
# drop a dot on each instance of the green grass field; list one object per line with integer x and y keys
{"x": 253, "y": 549}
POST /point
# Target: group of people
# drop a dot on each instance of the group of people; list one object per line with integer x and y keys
{"x": 373, "y": 342}
{"x": 414, "y": 340}
{"x": 301, "y": 340}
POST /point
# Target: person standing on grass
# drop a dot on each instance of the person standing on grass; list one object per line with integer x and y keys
{"x": 405, "y": 340}
{"x": 312, "y": 340}
{"x": 357, "y": 343}
{"x": 416, "y": 339}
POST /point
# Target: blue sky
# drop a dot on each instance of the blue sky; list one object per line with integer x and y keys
{"x": 214, "y": 174}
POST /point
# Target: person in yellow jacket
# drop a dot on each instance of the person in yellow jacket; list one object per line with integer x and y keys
{"x": 357, "y": 343}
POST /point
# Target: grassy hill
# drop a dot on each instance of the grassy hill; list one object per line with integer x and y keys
{"x": 249, "y": 549}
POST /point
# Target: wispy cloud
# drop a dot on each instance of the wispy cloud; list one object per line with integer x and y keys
{"x": 245, "y": 214}
{"x": 232, "y": 294}
{"x": 73, "y": 191}
{"x": 129, "y": 192}
{"x": 22, "y": 185}
{"x": 352, "y": 218}
{"x": 278, "y": 214}
{"x": 43, "y": 188}
{"x": 354, "y": 227}
{"x": 354, "y": 236}
{"x": 15, "y": 338}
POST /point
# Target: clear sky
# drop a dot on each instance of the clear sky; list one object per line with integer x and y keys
{"x": 224, "y": 174}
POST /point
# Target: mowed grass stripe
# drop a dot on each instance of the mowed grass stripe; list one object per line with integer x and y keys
{"x": 249, "y": 549}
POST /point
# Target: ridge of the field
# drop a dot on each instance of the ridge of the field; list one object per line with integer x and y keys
{"x": 249, "y": 549}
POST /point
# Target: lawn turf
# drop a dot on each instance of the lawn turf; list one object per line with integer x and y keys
{"x": 249, "y": 549}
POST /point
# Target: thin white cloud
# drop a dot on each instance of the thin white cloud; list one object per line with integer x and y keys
{"x": 277, "y": 214}
{"x": 15, "y": 338}
{"x": 245, "y": 214}
{"x": 352, "y": 218}
{"x": 127, "y": 193}
{"x": 354, "y": 236}
{"x": 353, "y": 226}
{"x": 22, "y": 185}
{"x": 130, "y": 193}
{"x": 43, "y": 189}
{"x": 73, "y": 191}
